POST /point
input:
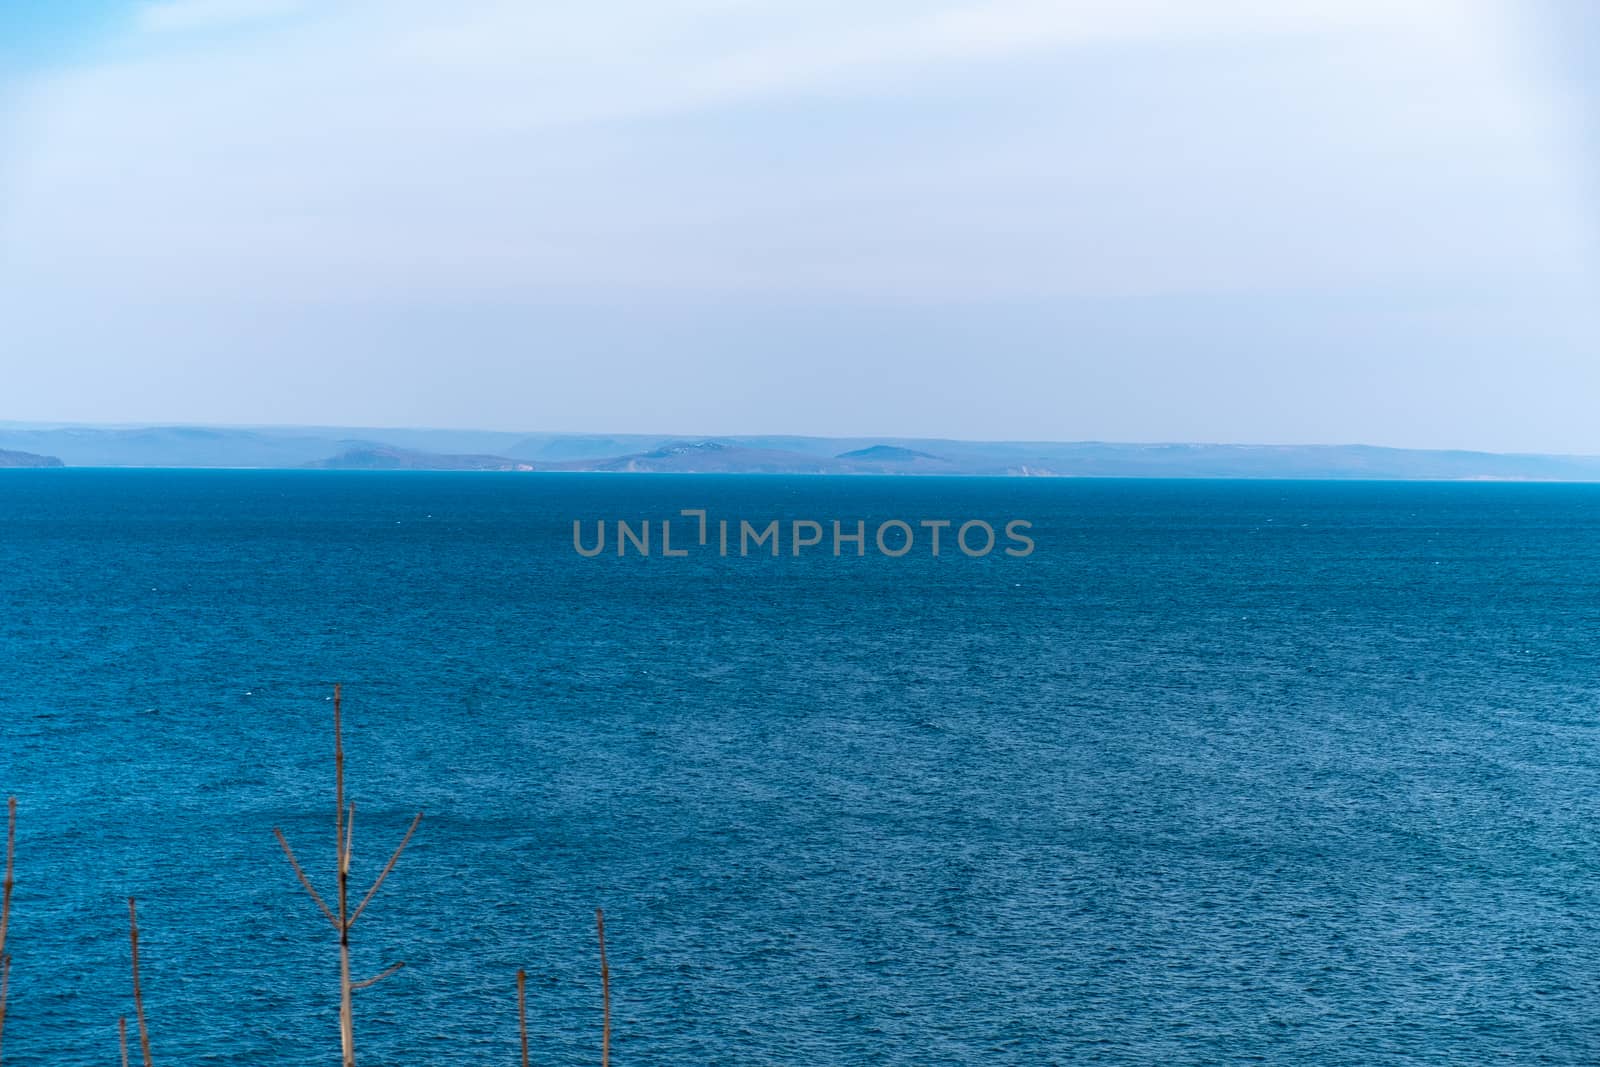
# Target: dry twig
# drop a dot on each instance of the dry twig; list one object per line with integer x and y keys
{"x": 522, "y": 1013}
{"x": 605, "y": 991}
{"x": 344, "y": 836}
{"x": 138, "y": 997}
{"x": 5, "y": 908}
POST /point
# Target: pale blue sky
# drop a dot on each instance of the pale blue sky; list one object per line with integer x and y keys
{"x": 1326, "y": 221}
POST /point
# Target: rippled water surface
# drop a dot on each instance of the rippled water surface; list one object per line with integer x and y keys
{"x": 1298, "y": 773}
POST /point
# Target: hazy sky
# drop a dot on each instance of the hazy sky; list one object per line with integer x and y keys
{"x": 1352, "y": 220}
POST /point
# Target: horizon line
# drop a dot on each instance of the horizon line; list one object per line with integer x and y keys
{"x": 44, "y": 425}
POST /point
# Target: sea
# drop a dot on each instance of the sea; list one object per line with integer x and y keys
{"x": 1197, "y": 772}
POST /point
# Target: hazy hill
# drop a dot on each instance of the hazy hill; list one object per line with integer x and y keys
{"x": 172, "y": 446}
{"x": 422, "y": 449}
{"x": 714, "y": 457}
{"x": 27, "y": 459}
{"x": 383, "y": 458}
{"x": 888, "y": 453}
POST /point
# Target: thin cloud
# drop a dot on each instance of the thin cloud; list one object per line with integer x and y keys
{"x": 177, "y": 16}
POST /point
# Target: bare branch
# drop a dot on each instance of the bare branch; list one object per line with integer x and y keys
{"x": 605, "y": 991}
{"x": 11, "y": 850}
{"x": 386, "y": 869}
{"x": 340, "y": 913}
{"x": 338, "y": 788}
{"x": 5, "y": 893}
{"x": 349, "y": 837}
{"x": 289, "y": 852}
{"x": 138, "y": 998}
{"x": 5, "y": 904}
{"x": 347, "y": 1025}
{"x": 522, "y": 1013}
{"x": 5, "y": 981}
{"x": 122, "y": 1037}
{"x": 375, "y": 979}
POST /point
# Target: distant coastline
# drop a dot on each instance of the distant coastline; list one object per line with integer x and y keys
{"x": 10, "y": 458}
{"x": 349, "y": 448}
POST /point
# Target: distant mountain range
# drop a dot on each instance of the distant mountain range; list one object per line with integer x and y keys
{"x": 342, "y": 448}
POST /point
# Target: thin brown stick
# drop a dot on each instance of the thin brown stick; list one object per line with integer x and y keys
{"x": 289, "y": 852}
{"x": 349, "y": 834}
{"x": 138, "y": 997}
{"x": 347, "y": 1029}
{"x": 11, "y": 851}
{"x": 5, "y": 983}
{"x": 605, "y": 991}
{"x": 387, "y": 867}
{"x": 338, "y": 776}
{"x": 375, "y": 979}
{"x": 122, "y": 1037}
{"x": 522, "y": 1013}
{"x": 5, "y": 906}
{"x": 347, "y": 1020}
{"x": 339, "y": 838}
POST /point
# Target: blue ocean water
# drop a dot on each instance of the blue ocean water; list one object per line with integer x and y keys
{"x": 1297, "y": 773}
